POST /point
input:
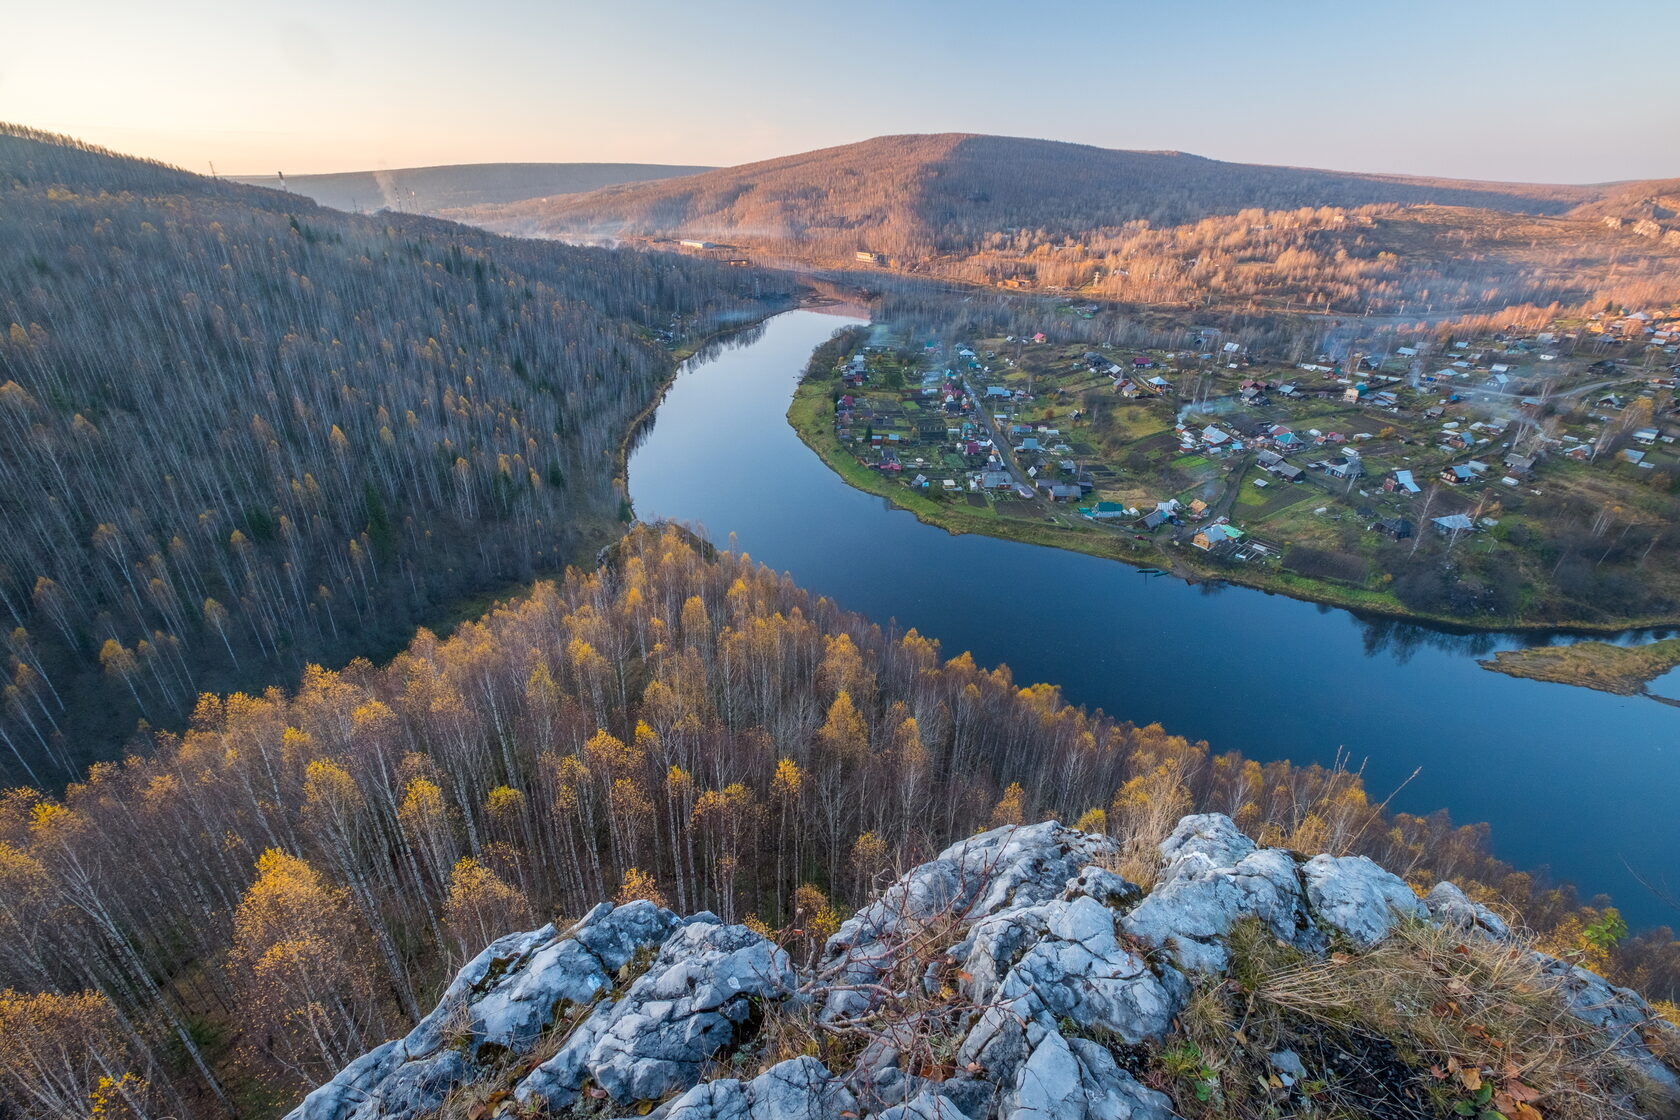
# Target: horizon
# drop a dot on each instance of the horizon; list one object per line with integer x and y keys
{"x": 344, "y": 89}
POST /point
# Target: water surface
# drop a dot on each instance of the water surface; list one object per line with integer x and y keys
{"x": 1583, "y": 782}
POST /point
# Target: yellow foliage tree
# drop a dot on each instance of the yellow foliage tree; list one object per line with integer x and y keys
{"x": 638, "y": 884}
{"x": 66, "y": 1056}
{"x": 302, "y": 969}
{"x": 481, "y": 906}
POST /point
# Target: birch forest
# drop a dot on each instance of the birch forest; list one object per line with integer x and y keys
{"x": 240, "y": 433}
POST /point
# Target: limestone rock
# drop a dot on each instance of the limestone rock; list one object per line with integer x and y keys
{"x": 1354, "y": 895}
{"x": 1010, "y": 866}
{"x": 1450, "y": 906}
{"x": 801, "y": 1088}
{"x": 1024, "y": 978}
{"x": 1190, "y": 914}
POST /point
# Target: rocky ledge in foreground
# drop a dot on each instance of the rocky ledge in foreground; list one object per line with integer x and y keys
{"x": 1014, "y": 976}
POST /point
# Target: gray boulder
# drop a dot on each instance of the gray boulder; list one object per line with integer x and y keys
{"x": 1190, "y": 914}
{"x": 1202, "y": 842}
{"x": 1080, "y": 971}
{"x": 1010, "y": 866}
{"x": 1450, "y": 906}
{"x": 498, "y": 1004}
{"x": 1107, "y": 887}
{"x": 687, "y": 1007}
{"x": 926, "y": 1105}
{"x": 1630, "y": 1023}
{"x": 800, "y": 1089}
{"x": 1354, "y": 895}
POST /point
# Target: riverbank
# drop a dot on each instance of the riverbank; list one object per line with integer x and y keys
{"x": 1623, "y": 670}
{"x": 811, "y": 416}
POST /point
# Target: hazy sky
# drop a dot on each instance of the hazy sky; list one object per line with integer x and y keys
{"x": 1534, "y": 90}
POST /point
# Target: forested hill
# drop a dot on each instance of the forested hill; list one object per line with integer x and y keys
{"x": 428, "y": 190}
{"x": 240, "y": 432}
{"x": 914, "y": 195}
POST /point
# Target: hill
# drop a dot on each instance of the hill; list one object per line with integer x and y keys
{"x": 1650, "y": 208}
{"x": 919, "y": 195}
{"x": 430, "y": 190}
{"x": 1163, "y": 229}
{"x": 243, "y": 433}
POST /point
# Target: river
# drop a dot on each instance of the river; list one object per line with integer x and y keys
{"x": 1584, "y": 783}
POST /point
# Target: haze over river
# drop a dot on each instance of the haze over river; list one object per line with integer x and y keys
{"x": 1585, "y": 783}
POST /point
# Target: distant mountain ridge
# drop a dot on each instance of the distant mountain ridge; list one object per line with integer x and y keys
{"x": 947, "y": 192}
{"x": 429, "y": 190}
{"x": 1149, "y": 228}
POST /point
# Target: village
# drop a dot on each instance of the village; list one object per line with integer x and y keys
{"x": 1349, "y": 468}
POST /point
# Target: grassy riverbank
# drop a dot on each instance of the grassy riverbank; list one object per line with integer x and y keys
{"x": 811, "y": 415}
{"x": 1623, "y": 670}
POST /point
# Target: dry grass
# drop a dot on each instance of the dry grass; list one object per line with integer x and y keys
{"x": 1624, "y": 670}
{"x": 1427, "y": 1024}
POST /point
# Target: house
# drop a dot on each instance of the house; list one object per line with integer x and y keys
{"x": 1061, "y": 491}
{"x": 1198, "y": 509}
{"x": 1457, "y": 475}
{"x": 1401, "y": 482}
{"x": 1394, "y": 528}
{"x": 1213, "y": 437}
{"x": 1268, "y": 460}
{"x": 1346, "y": 465}
{"x": 1646, "y": 436}
{"x": 996, "y": 480}
{"x": 1289, "y": 472}
{"x": 1155, "y": 518}
{"x": 1215, "y": 535}
{"x": 1107, "y": 511}
{"x": 1453, "y": 524}
{"x": 998, "y": 392}
{"x": 1519, "y": 466}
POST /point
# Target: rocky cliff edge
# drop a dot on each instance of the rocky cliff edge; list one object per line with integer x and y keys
{"x": 1014, "y": 976}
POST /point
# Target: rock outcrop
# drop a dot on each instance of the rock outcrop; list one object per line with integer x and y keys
{"x": 1013, "y": 976}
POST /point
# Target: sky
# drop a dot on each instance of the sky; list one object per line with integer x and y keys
{"x": 1531, "y": 91}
